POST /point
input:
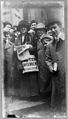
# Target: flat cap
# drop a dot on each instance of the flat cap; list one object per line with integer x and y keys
{"x": 46, "y": 36}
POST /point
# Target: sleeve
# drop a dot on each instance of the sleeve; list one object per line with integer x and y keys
{"x": 33, "y": 50}
{"x": 48, "y": 58}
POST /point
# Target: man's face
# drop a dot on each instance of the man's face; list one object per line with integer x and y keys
{"x": 55, "y": 29}
{"x": 33, "y": 25}
{"x": 40, "y": 32}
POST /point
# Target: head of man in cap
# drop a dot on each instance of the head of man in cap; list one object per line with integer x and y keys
{"x": 55, "y": 28}
{"x": 40, "y": 29}
{"x": 23, "y": 27}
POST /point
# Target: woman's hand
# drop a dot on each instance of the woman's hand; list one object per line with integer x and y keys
{"x": 51, "y": 68}
{"x": 55, "y": 66}
{"x": 29, "y": 46}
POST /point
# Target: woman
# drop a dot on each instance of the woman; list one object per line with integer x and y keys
{"x": 27, "y": 81}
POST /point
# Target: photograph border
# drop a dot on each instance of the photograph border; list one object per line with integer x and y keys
{"x": 1, "y": 53}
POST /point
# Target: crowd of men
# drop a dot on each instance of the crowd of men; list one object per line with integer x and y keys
{"x": 47, "y": 44}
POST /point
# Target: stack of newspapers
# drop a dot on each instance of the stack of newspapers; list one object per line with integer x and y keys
{"x": 30, "y": 66}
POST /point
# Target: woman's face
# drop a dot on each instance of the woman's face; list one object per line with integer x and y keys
{"x": 23, "y": 30}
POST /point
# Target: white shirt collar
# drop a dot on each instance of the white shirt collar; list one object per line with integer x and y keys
{"x": 61, "y": 35}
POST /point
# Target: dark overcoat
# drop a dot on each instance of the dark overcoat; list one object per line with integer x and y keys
{"x": 8, "y": 67}
{"x": 26, "y": 83}
{"x": 44, "y": 74}
{"x": 56, "y": 53}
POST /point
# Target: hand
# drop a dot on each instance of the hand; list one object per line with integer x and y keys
{"x": 55, "y": 66}
{"x": 28, "y": 46}
{"x": 51, "y": 68}
{"x": 15, "y": 49}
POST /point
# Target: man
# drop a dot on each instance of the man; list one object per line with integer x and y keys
{"x": 8, "y": 57}
{"x": 44, "y": 74}
{"x": 55, "y": 59}
{"x": 40, "y": 29}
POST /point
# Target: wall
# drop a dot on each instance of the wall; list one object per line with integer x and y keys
{"x": 41, "y": 14}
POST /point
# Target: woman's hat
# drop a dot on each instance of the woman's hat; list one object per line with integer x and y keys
{"x": 21, "y": 24}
